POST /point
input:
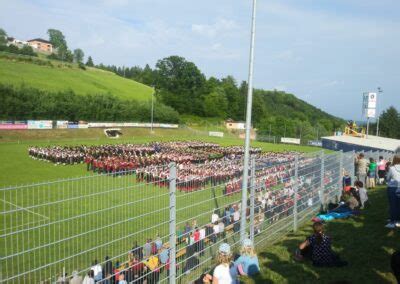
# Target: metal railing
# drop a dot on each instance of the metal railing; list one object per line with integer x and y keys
{"x": 163, "y": 227}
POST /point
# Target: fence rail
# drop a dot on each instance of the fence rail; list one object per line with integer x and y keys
{"x": 123, "y": 220}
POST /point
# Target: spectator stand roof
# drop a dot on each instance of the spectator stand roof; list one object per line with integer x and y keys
{"x": 350, "y": 143}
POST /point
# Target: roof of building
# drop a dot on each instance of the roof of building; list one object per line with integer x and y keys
{"x": 40, "y": 40}
{"x": 9, "y": 38}
{"x": 372, "y": 141}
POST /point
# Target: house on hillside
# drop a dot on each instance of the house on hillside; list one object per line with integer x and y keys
{"x": 235, "y": 125}
{"x": 239, "y": 127}
{"x": 41, "y": 45}
{"x": 16, "y": 42}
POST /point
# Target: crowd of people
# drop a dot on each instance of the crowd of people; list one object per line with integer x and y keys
{"x": 381, "y": 172}
{"x": 198, "y": 163}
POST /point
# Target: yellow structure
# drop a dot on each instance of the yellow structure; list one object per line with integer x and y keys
{"x": 352, "y": 130}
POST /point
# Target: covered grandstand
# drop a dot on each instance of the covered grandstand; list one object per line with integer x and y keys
{"x": 350, "y": 143}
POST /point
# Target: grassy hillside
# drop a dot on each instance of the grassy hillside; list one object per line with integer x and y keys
{"x": 55, "y": 76}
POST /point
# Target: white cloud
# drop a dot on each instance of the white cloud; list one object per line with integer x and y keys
{"x": 221, "y": 27}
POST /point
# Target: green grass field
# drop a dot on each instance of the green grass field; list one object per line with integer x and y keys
{"x": 90, "y": 81}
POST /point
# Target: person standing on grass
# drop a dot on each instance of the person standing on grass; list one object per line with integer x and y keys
{"x": 76, "y": 278}
{"x": 89, "y": 278}
{"x": 393, "y": 192}
{"x": 381, "y": 170}
{"x": 361, "y": 165}
{"x": 371, "y": 173}
{"x": 147, "y": 248}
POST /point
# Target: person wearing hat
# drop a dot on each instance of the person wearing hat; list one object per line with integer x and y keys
{"x": 247, "y": 263}
{"x": 222, "y": 273}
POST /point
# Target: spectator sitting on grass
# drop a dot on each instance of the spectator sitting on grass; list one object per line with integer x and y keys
{"x": 362, "y": 193}
{"x": 222, "y": 273}
{"x": 247, "y": 264}
{"x": 318, "y": 248}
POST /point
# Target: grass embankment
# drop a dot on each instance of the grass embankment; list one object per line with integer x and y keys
{"x": 362, "y": 241}
{"x": 56, "y": 76}
{"x": 17, "y": 167}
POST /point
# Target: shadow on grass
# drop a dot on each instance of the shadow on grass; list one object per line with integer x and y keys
{"x": 361, "y": 240}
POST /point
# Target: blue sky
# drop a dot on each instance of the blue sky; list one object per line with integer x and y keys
{"x": 326, "y": 52}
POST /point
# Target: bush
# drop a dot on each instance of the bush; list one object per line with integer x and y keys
{"x": 82, "y": 66}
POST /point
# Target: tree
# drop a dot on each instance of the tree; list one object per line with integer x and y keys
{"x": 27, "y": 50}
{"x": 90, "y": 62}
{"x": 78, "y": 55}
{"x": 389, "y": 123}
{"x": 216, "y": 104}
{"x": 3, "y": 37}
{"x": 180, "y": 84}
{"x": 57, "y": 38}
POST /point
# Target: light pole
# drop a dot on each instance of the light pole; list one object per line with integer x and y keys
{"x": 380, "y": 91}
{"x": 152, "y": 110}
{"x": 248, "y": 125}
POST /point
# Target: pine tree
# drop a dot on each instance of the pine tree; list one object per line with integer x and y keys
{"x": 90, "y": 62}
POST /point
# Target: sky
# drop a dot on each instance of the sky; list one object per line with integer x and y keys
{"x": 326, "y": 52}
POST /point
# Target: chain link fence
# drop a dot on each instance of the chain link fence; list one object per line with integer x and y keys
{"x": 160, "y": 225}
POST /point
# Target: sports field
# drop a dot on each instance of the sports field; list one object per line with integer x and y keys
{"x": 67, "y": 224}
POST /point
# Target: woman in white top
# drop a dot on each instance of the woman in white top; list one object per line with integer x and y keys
{"x": 393, "y": 191}
{"x": 222, "y": 272}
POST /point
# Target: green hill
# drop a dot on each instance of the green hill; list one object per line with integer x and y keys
{"x": 56, "y": 76}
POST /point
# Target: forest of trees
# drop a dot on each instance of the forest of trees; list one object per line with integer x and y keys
{"x": 181, "y": 85}
{"x": 389, "y": 124}
{"x": 22, "y": 103}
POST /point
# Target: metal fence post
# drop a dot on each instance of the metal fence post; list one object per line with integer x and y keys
{"x": 296, "y": 185}
{"x": 172, "y": 223}
{"x": 340, "y": 178}
{"x": 353, "y": 166}
{"x": 252, "y": 195}
{"x": 322, "y": 186}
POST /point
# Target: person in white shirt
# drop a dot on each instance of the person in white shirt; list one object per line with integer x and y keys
{"x": 202, "y": 232}
{"x": 216, "y": 229}
{"x": 393, "y": 190}
{"x": 214, "y": 217}
{"x": 89, "y": 278}
{"x": 222, "y": 273}
{"x": 98, "y": 273}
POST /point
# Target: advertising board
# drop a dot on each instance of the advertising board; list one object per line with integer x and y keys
{"x": 216, "y": 134}
{"x": 289, "y": 140}
{"x": 40, "y": 124}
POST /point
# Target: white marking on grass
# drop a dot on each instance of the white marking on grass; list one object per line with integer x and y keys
{"x": 30, "y": 211}
{"x": 22, "y": 225}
